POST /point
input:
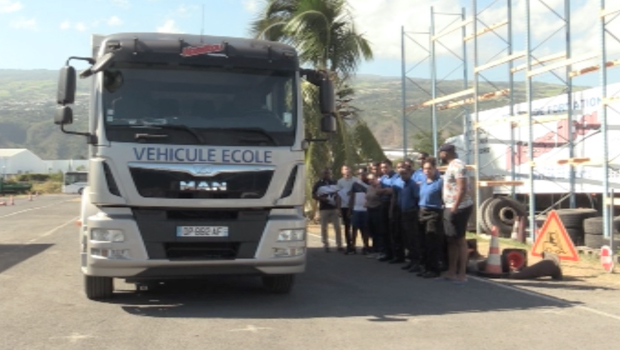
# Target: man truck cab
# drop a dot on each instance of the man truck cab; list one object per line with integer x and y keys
{"x": 196, "y": 158}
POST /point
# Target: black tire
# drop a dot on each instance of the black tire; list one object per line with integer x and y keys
{"x": 98, "y": 288}
{"x": 576, "y": 235}
{"x": 597, "y": 241}
{"x": 80, "y": 191}
{"x": 574, "y": 217}
{"x": 279, "y": 284}
{"x": 502, "y": 213}
{"x": 483, "y": 207}
{"x": 594, "y": 226}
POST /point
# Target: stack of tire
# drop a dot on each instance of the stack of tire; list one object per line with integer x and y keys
{"x": 573, "y": 220}
{"x": 593, "y": 228}
{"x": 501, "y": 212}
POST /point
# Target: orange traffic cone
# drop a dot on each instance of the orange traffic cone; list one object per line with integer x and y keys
{"x": 11, "y": 200}
{"x": 493, "y": 266}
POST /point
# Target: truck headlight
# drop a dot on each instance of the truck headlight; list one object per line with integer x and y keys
{"x": 291, "y": 235}
{"x": 106, "y": 235}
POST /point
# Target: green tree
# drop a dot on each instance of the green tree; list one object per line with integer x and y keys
{"x": 324, "y": 34}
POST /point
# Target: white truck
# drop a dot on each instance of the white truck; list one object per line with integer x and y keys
{"x": 196, "y": 158}
{"x": 503, "y": 145}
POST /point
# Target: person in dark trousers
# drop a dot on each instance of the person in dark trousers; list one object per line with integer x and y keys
{"x": 431, "y": 217}
{"x": 328, "y": 208}
{"x": 458, "y": 205}
{"x": 376, "y": 225}
{"x": 344, "y": 186}
{"x": 397, "y": 238}
{"x": 386, "y": 181}
{"x": 359, "y": 214}
{"x": 406, "y": 192}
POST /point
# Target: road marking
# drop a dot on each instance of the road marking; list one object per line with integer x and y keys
{"x": 73, "y": 338}
{"x": 52, "y": 230}
{"x": 249, "y": 328}
{"x": 530, "y": 293}
{"x": 30, "y": 209}
{"x": 546, "y": 297}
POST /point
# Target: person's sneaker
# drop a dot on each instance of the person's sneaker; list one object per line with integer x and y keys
{"x": 416, "y": 268}
{"x": 350, "y": 252}
{"x": 430, "y": 274}
{"x": 384, "y": 258}
{"x": 365, "y": 251}
{"x": 372, "y": 256}
{"x": 397, "y": 261}
{"x": 407, "y": 267}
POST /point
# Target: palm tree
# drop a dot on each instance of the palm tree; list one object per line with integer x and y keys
{"x": 324, "y": 34}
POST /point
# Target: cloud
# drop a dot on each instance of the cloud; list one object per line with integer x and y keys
{"x": 121, "y": 3}
{"x": 80, "y": 26}
{"x": 251, "y": 6}
{"x": 168, "y": 27}
{"x": 114, "y": 21}
{"x": 7, "y": 6}
{"x": 23, "y": 23}
{"x": 65, "y": 25}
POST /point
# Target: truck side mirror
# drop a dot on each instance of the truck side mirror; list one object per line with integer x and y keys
{"x": 66, "y": 86}
{"x": 64, "y": 116}
{"x": 326, "y": 96}
{"x": 328, "y": 123}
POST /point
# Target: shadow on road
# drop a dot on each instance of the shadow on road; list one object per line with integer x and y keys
{"x": 13, "y": 254}
{"x": 334, "y": 285}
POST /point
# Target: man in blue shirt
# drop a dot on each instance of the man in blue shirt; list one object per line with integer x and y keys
{"x": 386, "y": 181}
{"x": 431, "y": 218}
{"x": 408, "y": 197}
{"x": 418, "y": 175}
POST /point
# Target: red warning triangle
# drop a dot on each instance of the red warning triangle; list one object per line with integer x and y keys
{"x": 553, "y": 238}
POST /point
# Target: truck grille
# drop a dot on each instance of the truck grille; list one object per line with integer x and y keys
{"x": 154, "y": 183}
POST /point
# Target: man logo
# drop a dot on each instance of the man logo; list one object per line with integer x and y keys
{"x": 203, "y": 186}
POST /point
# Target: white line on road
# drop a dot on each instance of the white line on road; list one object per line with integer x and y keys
{"x": 530, "y": 293}
{"x": 30, "y": 209}
{"x": 52, "y": 230}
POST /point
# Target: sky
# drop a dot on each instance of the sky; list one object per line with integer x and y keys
{"x": 37, "y": 34}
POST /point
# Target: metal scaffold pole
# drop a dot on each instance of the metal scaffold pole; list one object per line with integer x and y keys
{"x": 528, "y": 47}
{"x": 467, "y": 117}
{"x": 607, "y": 228}
{"x": 569, "y": 102}
{"x": 403, "y": 89}
{"x": 433, "y": 67}
{"x": 511, "y": 85}
{"x": 476, "y": 110}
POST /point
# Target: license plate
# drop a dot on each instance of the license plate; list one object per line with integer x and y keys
{"x": 202, "y": 231}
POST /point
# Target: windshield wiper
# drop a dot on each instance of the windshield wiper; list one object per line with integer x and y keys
{"x": 163, "y": 126}
{"x": 249, "y": 130}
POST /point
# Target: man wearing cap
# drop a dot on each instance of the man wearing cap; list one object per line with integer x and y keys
{"x": 458, "y": 205}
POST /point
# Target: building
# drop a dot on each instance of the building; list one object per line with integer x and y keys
{"x": 15, "y": 161}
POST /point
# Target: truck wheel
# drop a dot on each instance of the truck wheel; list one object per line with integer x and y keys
{"x": 98, "y": 288}
{"x": 80, "y": 191}
{"x": 279, "y": 284}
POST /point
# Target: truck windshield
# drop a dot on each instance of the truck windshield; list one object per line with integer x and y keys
{"x": 187, "y": 105}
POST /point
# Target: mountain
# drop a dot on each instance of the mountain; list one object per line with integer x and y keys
{"x": 27, "y": 107}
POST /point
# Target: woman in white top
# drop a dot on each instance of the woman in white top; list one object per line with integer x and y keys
{"x": 359, "y": 215}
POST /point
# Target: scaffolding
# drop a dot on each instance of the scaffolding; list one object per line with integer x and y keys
{"x": 535, "y": 60}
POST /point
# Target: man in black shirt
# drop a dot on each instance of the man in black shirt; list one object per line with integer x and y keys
{"x": 324, "y": 191}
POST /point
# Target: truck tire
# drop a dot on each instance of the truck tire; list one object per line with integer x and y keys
{"x": 502, "y": 213}
{"x": 279, "y": 284}
{"x": 574, "y": 217}
{"x": 597, "y": 241}
{"x": 80, "y": 191}
{"x": 594, "y": 226}
{"x": 483, "y": 207}
{"x": 98, "y": 288}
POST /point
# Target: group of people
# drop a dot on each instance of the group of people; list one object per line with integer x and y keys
{"x": 413, "y": 217}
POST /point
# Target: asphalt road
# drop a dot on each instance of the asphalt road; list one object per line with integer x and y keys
{"x": 341, "y": 302}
